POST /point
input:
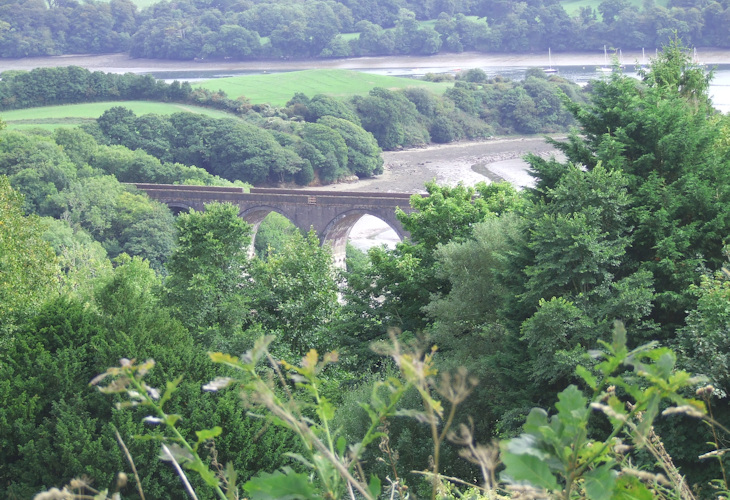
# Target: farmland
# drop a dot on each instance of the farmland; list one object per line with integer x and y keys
{"x": 276, "y": 89}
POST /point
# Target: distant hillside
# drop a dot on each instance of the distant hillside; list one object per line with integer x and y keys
{"x": 273, "y": 29}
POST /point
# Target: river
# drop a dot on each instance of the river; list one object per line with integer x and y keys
{"x": 576, "y": 68}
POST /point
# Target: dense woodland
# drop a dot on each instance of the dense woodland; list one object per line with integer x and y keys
{"x": 245, "y": 29}
{"x": 318, "y": 139}
{"x": 517, "y": 287}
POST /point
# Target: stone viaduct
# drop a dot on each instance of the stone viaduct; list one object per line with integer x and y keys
{"x": 331, "y": 214}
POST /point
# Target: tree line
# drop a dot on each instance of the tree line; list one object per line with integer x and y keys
{"x": 197, "y": 29}
{"x": 475, "y": 108}
{"x": 521, "y": 288}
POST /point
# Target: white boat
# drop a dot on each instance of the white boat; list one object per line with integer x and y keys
{"x": 606, "y": 68}
{"x": 696, "y": 60}
{"x": 550, "y": 69}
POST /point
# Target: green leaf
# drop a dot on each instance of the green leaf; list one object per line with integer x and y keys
{"x": 572, "y": 405}
{"x": 619, "y": 337}
{"x": 599, "y": 482}
{"x": 374, "y": 486}
{"x": 205, "y": 434}
{"x": 536, "y": 420}
{"x": 650, "y": 412}
{"x": 281, "y": 486}
{"x": 525, "y": 444}
{"x": 226, "y": 359}
{"x": 341, "y": 445}
{"x": 371, "y": 413}
{"x": 172, "y": 419}
{"x": 372, "y": 437}
{"x": 326, "y": 410}
{"x": 231, "y": 478}
{"x": 102, "y": 495}
{"x": 587, "y": 376}
{"x": 204, "y": 472}
{"x": 665, "y": 364}
{"x": 524, "y": 467}
{"x": 630, "y": 488}
{"x": 170, "y": 389}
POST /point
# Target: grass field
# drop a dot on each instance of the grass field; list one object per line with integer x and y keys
{"x": 279, "y": 88}
{"x": 50, "y": 117}
{"x": 572, "y": 6}
{"x": 142, "y": 3}
{"x": 276, "y": 89}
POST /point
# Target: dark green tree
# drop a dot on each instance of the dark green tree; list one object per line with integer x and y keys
{"x": 208, "y": 269}
{"x": 118, "y": 125}
{"x": 391, "y": 118}
{"x": 292, "y": 294}
{"x": 661, "y": 134}
{"x": 29, "y": 271}
{"x": 331, "y": 147}
{"x": 363, "y": 153}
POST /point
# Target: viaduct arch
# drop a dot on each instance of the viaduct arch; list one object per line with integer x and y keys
{"x": 331, "y": 214}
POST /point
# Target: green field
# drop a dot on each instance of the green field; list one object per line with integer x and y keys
{"x": 279, "y": 88}
{"x": 350, "y": 36}
{"x": 275, "y": 89}
{"x": 142, "y": 3}
{"x": 573, "y": 6}
{"x": 50, "y": 117}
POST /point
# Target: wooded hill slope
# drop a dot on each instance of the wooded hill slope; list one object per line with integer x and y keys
{"x": 238, "y": 29}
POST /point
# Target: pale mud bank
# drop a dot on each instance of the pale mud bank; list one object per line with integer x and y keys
{"x": 122, "y": 63}
{"x": 407, "y": 171}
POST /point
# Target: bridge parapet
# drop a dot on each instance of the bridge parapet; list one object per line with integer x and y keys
{"x": 331, "y": 214}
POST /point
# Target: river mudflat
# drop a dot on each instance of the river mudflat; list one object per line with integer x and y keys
{"x": 122, "y": 63}
{"x": 469, "y": 162}
{"x": 408, "y": 170}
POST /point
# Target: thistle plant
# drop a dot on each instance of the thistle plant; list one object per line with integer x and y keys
{"x": 128, "y": 380}
{"x": 291, "y": 396}
{"x": 555, "y": 453}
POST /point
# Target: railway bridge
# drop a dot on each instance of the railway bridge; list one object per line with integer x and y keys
{"x": 331, "y": 214}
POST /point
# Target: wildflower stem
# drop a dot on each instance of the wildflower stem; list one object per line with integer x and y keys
{"x": 179, "y": 472}
{"x": 131, "y": 462}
